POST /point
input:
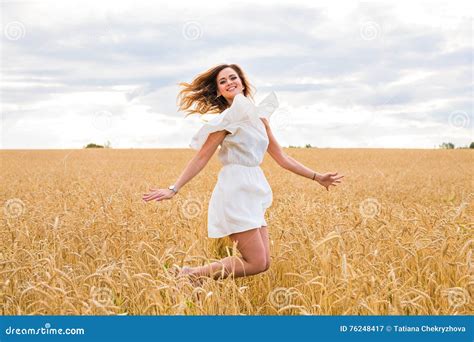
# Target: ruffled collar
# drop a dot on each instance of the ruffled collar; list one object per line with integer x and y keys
{"x": 249, "y": 109}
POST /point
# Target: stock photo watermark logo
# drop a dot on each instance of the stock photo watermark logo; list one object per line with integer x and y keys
{"x": 46, "y": 330}
{"x": 369, "y": 208}
{"x": 281, "y": 297}
{"x": 370, "y": 30}
{"x": 14, "y": 30}
{"x": 192, "y": 30}
{"x": 457, "y": 297}
{"x": 268, "y": 107}
{"x": 459, "y": 119}
{"x": 191, "y": 208}
{"x": 14, "y": 208}
{"x": 101, "y": 296}
{"x": 280, "y": 119}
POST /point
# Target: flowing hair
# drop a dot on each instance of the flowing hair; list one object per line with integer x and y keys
{"x": 200, "y": 96}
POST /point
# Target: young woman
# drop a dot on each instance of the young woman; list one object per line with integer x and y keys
{"x": 242, "y": 193}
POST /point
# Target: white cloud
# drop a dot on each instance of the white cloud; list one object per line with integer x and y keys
{"x": 347, "y": 74}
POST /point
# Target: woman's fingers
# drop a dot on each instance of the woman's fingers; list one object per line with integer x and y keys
{"x": 148, "y": 198}
{"x": 151, "y": 196}
{"x": 159, "y": 196}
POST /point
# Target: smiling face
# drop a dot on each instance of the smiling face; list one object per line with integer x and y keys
{"x": 229, "y": 84}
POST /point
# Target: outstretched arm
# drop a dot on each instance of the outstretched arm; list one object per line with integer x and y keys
{"x": 290, "y": 164}
{"x": 195, "y": 165}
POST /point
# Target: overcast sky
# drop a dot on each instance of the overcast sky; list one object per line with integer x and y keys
{"x": 347, "y": 74}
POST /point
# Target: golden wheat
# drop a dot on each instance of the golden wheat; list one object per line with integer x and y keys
{"x": 394, "y": 238}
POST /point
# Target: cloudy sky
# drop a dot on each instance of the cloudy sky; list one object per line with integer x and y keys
{"x": 347, "y": 74}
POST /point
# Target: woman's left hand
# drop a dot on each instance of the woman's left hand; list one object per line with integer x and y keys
{"x": 158, "y": 195}
{"x": 328, "y": 179}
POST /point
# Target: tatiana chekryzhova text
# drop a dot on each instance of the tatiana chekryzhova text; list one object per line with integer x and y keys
{"x": 428, "y": 328}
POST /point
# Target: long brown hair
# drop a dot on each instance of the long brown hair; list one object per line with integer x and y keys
{"x": 202, "y": 92}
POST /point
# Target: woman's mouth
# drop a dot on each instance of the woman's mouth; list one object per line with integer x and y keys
{"x": 231, "y": 88}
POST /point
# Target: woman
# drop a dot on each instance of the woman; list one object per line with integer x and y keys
{"x": 242, "y": 193}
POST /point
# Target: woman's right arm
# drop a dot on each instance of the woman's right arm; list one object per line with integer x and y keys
{"x": 195, "y": 165}
{"x": 201, "y": 158}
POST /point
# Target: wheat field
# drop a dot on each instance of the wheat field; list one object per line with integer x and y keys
{"x": 395, "y": 237}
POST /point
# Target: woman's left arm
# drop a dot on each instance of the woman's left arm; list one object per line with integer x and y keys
{"x": 290, "y": 164}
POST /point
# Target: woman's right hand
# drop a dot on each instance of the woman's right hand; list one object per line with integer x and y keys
{"x": 328, "y": 179}
{"x": 158, "y": 195}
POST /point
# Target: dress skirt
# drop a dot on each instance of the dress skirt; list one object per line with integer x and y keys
{"x": 238, "y": 201}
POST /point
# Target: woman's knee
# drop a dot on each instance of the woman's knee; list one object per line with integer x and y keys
{"x": 259, "y": 264}
{"x": 256, "y": 264}
{"x": 253, "y": 250}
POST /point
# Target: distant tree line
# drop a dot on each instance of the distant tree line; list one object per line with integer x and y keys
{"x": 305, "y": 146}
{"x": 92, "y": 145}
{"x": 450, "y": 145}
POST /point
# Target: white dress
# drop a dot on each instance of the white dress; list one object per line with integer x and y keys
{"x": 242, "y": 193}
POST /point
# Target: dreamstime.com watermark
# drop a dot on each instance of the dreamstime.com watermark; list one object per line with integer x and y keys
{"x": 101, "y": 296}
{"x": 457, "y": 297}
{"x": 369, "y": 208}
{"x": 192, "y": 30}
{"x": 370, "y": 30}
{"x": 14, "y": 208}
{"x": 190, "y": 207}
{"x": 14, "y": 30}
{"x": 46, "y": 330}
{"x": 281, "y": 297}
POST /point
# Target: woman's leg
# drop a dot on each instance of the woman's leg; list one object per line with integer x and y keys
{"x": 253, "y": 260}
{"x": 266, "y": 243}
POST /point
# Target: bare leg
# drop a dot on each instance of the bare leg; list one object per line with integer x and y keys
{"x": 253, "y": 260}
{"x": 266, "y": 243}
